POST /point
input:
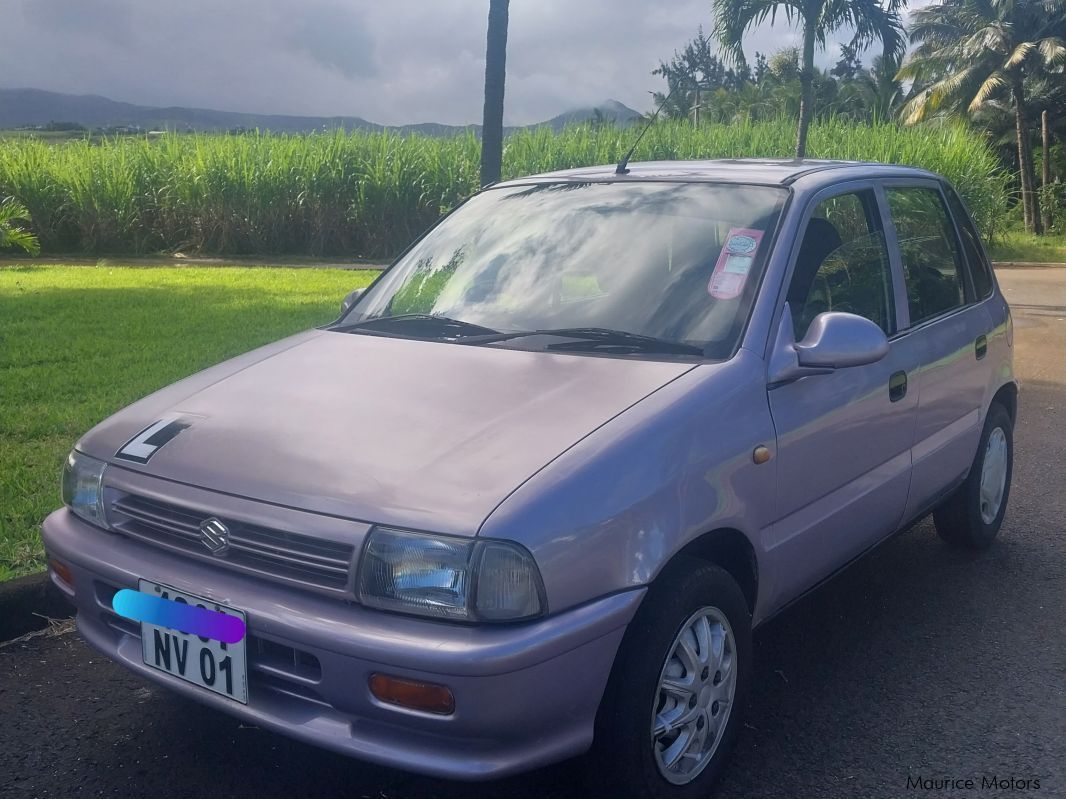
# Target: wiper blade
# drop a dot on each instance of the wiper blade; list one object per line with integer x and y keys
{"x": 585, "y": 338}
{"x": 421, "y": 325}
{"x": 602, "y": 336}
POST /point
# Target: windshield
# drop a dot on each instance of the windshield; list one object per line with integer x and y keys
{"x": 672, "y": 262}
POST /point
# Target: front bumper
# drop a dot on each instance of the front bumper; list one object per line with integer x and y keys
{"x": 525, "y": 695}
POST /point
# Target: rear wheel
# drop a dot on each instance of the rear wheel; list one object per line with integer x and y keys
{"x": 673, "y": 706}
{"x": 972, "y": 516}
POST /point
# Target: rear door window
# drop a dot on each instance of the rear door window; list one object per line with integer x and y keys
{"x": 932, "y": 264}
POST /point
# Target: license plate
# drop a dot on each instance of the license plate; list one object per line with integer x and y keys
{"x": 214, "y": 665}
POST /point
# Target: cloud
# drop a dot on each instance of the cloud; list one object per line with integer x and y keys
{"x": 336, "y": 37}
{"x": 107, "y": 20}
{"x": 391, "y": 61}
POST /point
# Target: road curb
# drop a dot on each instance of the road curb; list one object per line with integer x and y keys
{"x": 1027, "y": 265}
{"x": 27, "y": 603}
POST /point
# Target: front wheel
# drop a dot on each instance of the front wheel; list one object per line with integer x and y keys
{"x": 674, "y": 702}
{"x": 972, "y": 516}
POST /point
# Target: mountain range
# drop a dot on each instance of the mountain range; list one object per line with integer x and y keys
{"x": 21, "y": 108}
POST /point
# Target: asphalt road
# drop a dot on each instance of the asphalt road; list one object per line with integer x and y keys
{"x": 918, "y": 662}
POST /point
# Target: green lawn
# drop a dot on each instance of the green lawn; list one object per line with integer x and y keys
{"x": 78, "y": 343}
{"x": 1018, "y": 246}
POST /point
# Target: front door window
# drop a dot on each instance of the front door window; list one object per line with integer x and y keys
{"x": 843, "y": 264}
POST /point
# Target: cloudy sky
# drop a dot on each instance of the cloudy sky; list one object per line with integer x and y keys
{"x": 389, "y": 61}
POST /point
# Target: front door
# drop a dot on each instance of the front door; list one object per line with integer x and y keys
{"x": 843, "y": 439}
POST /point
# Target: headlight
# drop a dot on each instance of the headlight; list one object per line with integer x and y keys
{"x": 83, "y": 488}
{"x": 449, "y": 578}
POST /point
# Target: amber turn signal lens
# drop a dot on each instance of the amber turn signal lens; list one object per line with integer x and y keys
{"x": 62, "y": 571}
{"x": 424, "y": 696}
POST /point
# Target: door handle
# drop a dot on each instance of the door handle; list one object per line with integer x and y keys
{"x": 980, "y": 347}
{"x": 897, "y": 386}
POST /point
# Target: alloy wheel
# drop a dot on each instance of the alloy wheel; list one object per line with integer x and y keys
{"x": 694, "y": 697}
{"x": 993, "y": 475}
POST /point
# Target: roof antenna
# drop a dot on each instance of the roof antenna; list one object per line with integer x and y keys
{"x": 623, "y": 165}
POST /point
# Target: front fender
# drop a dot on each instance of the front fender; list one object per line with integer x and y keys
{"x": 609, "y": 513}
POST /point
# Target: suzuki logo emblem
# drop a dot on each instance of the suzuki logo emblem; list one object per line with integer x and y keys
{"x": 214, "y": 535}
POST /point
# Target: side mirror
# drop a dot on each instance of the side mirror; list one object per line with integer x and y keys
{"x": 839, "y": 340}
{"x": 350, "y": 300}
{"x": 833, "y": 341}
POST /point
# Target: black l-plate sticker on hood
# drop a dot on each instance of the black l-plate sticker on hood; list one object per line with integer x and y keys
{"x": 149, "y": 441}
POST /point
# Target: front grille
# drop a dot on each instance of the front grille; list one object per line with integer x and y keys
{"x": 275, "y": 553}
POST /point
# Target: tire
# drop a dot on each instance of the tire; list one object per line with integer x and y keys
{"x": 971, "y": 517}
{"x": 689, "y": 595}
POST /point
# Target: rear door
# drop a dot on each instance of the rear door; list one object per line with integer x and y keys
{"x": 944, "y": 313}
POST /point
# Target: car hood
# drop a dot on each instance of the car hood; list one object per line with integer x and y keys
{"x": 427, "y": 435}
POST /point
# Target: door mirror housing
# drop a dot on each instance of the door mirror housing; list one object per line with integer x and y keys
{"x": 834, "y": 341}
{"x": 350, "y": 300}
{"x": 839, "y": 340}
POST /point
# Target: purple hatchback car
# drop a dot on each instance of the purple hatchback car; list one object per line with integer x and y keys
{"x": 530, "y": 494}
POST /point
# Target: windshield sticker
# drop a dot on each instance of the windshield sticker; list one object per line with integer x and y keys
{"x": 739, "y": 244}
{"x": 734, "y": 263}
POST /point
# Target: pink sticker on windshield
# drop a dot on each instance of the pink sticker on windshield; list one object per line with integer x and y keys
{"x": 734, "y": 263}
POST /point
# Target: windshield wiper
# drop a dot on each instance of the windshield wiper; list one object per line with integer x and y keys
{"x": 586, "y": 338}
{"x": 421, "y": 325}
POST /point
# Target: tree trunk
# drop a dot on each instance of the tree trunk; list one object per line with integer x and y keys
{"x": 1045, "y": 171}
{"x": 1025, "y": 160}
{"x": 806, "y": 90}
{"x": 495, "y": 74}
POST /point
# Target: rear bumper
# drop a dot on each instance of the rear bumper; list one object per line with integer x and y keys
{"x": 525, "y": 695}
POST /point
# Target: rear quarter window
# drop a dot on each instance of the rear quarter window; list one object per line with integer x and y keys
{"x": 979, "y": 267}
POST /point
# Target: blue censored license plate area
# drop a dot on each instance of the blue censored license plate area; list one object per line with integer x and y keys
{"x": 213, "y": 665}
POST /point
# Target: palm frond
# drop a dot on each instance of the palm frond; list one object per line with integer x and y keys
{"x": 13, "y": 234}
{"x": 21, "y": 239}
{"x": 871, "y": 20}
{"x": 11, "y": 211}
{"x": 917, "y": 108}
{"x": 1052, "y": 51}
{"x": 733, "y": 18}
{"x": 993, "y": 83}
{"x": 1021, "y": 52}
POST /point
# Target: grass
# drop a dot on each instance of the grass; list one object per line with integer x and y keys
{"x": 79, "y": 343}
{"x": 368, "y": 194}
{"x": 1019, "y": 246}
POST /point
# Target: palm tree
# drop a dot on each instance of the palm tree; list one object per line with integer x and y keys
{"x": 872, "y": 20}
{"x": 996, "y": 117}
{"x": 972, "y": 52}
{"x": 495, "y": 74}
{"x": 12, "y": 234}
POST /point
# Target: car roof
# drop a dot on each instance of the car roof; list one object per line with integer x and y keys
{"x": 760, "y": 171}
